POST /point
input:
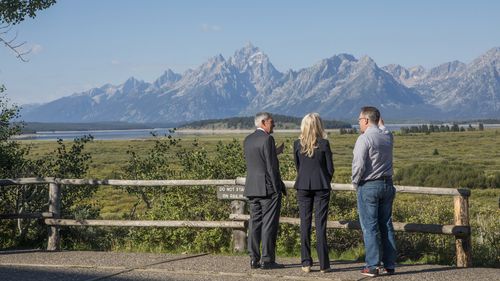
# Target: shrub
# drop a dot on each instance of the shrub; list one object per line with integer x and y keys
{"x": 446, "y": 174}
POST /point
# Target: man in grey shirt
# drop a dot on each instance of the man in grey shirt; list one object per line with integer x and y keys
{"x": 372, "y": 178}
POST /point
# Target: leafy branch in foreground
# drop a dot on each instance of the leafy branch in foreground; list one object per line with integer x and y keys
{"x": 13, "y": 12}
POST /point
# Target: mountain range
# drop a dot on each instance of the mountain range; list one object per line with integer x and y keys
{"x": 247, "y": 82}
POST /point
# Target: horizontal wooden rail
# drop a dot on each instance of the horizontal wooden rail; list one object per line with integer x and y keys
{"x": 399, "y": 188}
{"x": 198, "y": 224}
{"x": 146, "y": 182}
{"x": 237, "y": 181}
{"x": 26, "y": 216}
{"x": 398, "y": 226}
{"x": 20, "y": 181}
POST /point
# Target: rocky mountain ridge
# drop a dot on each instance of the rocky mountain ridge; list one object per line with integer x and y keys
{"x": 247, "y": 82}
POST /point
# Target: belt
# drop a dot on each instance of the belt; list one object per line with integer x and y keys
{"x": 382, "y": 178}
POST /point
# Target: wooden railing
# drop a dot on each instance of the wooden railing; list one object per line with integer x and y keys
{"x": 238, "y": 219}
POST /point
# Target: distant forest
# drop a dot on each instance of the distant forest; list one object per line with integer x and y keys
{"x": 282, "y": 122}
{"x": 33, "y": 127}
{"x": 484, "y": 121}
{"x": 439, "y": 128}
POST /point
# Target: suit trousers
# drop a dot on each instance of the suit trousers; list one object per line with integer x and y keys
{"x": 320, "y": 200}
{"x": 263, "y": 226}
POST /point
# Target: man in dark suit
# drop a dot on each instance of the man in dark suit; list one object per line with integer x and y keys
{"x": 263, "y": 188}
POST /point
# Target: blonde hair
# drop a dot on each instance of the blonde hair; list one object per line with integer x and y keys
{"x": 311, "y": 131}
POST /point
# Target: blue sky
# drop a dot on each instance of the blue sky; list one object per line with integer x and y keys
{"x": 78, "y": 45}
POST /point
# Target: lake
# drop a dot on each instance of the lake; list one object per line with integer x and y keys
{"x": 97, "y": 134}
{"x": 146, "y": 133}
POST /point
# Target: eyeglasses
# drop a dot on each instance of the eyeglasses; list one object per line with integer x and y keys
{"x": 359, "y": 119}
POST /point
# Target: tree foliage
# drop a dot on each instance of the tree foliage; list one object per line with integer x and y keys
{"x": 182, "y": 203}
{"x": 7, "y": 113}
{"x": 15, "y": 11}
{"x": 10, "y": 151}
{"x": 155, "y": 164}
{"x": 66, "y": 161}
{"x": 427, "y": 129}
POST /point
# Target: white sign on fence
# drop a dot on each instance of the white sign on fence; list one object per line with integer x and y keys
{"x": 231, "y": 192}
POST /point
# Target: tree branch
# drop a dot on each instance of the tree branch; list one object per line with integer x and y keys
{"x": 10, "y": 44}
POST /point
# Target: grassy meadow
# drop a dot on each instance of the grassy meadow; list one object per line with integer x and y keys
{"x": 478, "y": 150}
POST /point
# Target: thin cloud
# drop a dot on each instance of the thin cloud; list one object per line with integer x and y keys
{"x": 115, "y": 62}
{"x": 210, "y": 28}
{"x": 36, "y": 49}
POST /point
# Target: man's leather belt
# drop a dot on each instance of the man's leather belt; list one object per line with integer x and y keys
{"x": 382, "y": 178}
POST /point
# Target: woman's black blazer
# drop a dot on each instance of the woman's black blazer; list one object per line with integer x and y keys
{"x": 316, "y": 172}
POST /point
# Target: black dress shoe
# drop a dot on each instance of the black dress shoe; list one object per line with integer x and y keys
{"x": 254, "y": 264}
{"x": 271, "y": 265}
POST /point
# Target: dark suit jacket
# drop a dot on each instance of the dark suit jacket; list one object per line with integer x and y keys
{"x": 263, "y": 173}
{"x": 314, "y": 173}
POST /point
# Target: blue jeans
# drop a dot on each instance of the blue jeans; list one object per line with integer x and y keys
{"x": 375, "y": 200}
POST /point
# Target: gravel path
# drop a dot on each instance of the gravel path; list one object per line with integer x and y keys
{"x": 111, "y": 266}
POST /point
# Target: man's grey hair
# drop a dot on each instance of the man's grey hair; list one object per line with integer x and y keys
{"x": 261, "y": 116}
{"x": 372, "y": 113}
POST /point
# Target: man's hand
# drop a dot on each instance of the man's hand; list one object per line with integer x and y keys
{"x": 280, "y": 149}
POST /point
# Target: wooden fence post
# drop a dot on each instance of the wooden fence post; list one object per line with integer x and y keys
{"x": 54, "y": 241}
{"x": 463, "y": 243}
{"x": 239, "y": 235}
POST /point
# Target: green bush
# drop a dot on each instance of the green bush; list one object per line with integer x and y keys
{"x": 64, "y": 162}
{"x": 446, "y": 174}
{"x": 486, "y": 237}
{"x": 182, "y": 203}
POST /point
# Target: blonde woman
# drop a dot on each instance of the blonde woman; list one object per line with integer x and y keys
{"x": 314, "y": 163}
